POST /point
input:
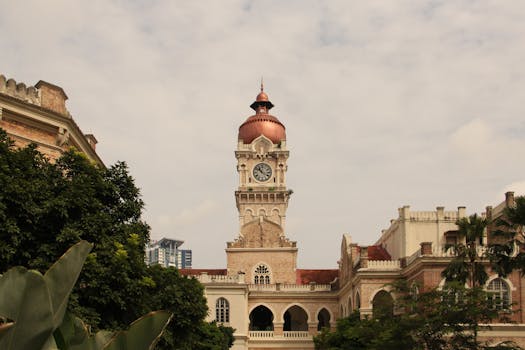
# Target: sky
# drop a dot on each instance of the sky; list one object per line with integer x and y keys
{"x": 385, "y": 103}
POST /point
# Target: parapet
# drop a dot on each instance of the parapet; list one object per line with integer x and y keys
{"x": 43, "y": 94}
{"x": 19, "y": 90}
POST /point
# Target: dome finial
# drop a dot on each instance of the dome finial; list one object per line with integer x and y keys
{"x": 262, "y": 84}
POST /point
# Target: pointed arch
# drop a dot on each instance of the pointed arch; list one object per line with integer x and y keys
{"x": 382, "y": 304}
{"x": 323, "y": 318}
{"x": 222, "y": 310}
{"x": 262, "y": 273}
{"x": 357, "y": 300}
{"x": 261, "y": 318}
{"x": 295, "y": 318}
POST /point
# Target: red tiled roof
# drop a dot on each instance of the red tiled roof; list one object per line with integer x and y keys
{"x": 317, "y": 276}
{"x": 196, "y": 272}
{"x": 376, "y": 252}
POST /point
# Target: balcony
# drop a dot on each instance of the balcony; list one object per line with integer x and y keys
{"x": 289, "y": 288}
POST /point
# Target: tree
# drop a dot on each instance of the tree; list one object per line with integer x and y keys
{"x": 446, "y": 319}
{"x": 45, "y": 207}
{"x": 468, "y": 264}
{"x": 354, "y": 333}
{"x": 508, "y": 239}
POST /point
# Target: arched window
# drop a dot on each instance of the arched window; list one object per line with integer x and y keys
{"x": 261, "y": 275}
{"x": 324, "y": 319}
{"x": 498, "y": 294}
{"x": 414, "y": 295}
{"x": 414, "y": 291}
{"x": 382, "y": 305}
{"x": 357, "y": 300}
{"x": 222, "y": 310}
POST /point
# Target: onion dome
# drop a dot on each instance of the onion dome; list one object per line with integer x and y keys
{"x": 262, "y": 123}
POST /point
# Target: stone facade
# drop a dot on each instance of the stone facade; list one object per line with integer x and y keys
{"x": 275, "y": 305}
{"x": 37, "y": 114}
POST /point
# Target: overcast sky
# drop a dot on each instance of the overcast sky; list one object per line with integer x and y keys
{"x": 385, "y": 103}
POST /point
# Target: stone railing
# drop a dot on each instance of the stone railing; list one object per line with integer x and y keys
{"x": 413, "y": 257}
{"x": 432, "y": 215}
{"x": 437, "y": 252}
{"x": 286, "y": 335}
{"x": 383, "y": 264}
{"x": 261, "y": 334}
{"x": 262, "y": 287}
{"x": 296, "y": 334}
{"x": 290, "y": 287}
{"x": 235, "y": 279}
{"x": 441, "y": 252}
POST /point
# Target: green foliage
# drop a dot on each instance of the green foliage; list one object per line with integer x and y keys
{"x": 366, "y": 334}
{"x": 141, "y": 335}
{"x": 36, "y": 303}
{"x": 184, "y": 296}
{"x": 467, "y": 265}
{"x": 446, "y": 319}
{"x": 46, "y": 207}
{"x": 507, "y": 250}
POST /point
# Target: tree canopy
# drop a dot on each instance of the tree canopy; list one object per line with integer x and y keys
{"x": 438, "y": 319}
{"x": 46, "y": 207}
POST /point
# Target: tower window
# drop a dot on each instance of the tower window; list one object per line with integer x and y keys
{"x": 261, "y": 274}
{"x": 222, "y": 310}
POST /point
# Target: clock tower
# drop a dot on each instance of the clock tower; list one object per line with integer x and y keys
{"x": 261, "y": 249}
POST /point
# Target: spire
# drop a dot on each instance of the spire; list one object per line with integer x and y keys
{"x": 261, "y": 100}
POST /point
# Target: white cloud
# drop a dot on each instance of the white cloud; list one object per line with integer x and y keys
{"x": 385, "y": 103}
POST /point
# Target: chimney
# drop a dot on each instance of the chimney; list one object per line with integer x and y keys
{"x": 52, "y": 97}
{"x": 404, "y": 212}
{"x": 426, "y": 248}
{"x": 364, "y": 257}
{"x": 440, "y": 212}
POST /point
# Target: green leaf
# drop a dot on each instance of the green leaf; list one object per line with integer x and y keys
{"x": 61, "y": 277}
{"x": 25, "y": 300}
{"x": 72, "y": 331}
{"x": 97, "y": 342}
{"x": 143, "y": 333}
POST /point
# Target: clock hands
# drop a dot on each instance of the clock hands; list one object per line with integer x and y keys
{"x": 262, "y": 172}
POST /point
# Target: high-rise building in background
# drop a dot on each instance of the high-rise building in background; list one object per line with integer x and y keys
{"x": 166, "y": 252}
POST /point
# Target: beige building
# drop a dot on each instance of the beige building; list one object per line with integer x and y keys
{"x": 37, "y": 114}
{"x": 273, "y": 304}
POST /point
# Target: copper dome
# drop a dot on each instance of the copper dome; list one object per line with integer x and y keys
{"x": 262, "y": 123}
{"x": 261, "y": 97}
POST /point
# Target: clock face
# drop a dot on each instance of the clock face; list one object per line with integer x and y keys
{"x": 262, "y": 172}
